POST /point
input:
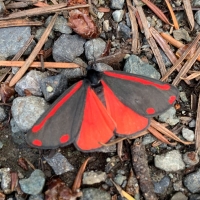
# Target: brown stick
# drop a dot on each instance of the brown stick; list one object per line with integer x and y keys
{"x": 197, "y": 128}
{"x": 38, "y": 64}
{"x": 34, "y": 53}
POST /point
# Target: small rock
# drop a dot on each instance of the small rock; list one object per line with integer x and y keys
{"x": 94, "y": 193}
{"x": 190, "y": 158}
{"x": 94, "y": 48}
{"x": 192, "y": 124}
{"x": 169, "y": 117}
{"x": 19, "y": 139}
{"x": 102, "y": 67}
{"x": 123, "y": 31}
{"x": 192, "y": 181}
{"x": 12, "y": 39}
{"x": 14, "y": 127}
{"x": 100, "y": 15}
{"x": 5, "y": 177}
{"x": 90, "y": 178}
{"x": 171, "y": 161}
{"x": 178, "y": 185}
{"x": 135, "y": 65}
{"x": 148, "y": 139}
{"x": 2, "y": 8}
{"x": 161, "y": 186}
{"x": 1, "y": 145}
{"x": 111, "y": 163}
{"x": 72, "y": 73}
{"x": 59, "y": 163}
{"x": 27, "y": 110}
{"x": 31, "y": 82}
{"x": 67, "y": 47}
{"x": 197, "y": 17}
{"x": 117, "y": 4}
{"x": 188, "y": 134}
{"x": 106, "y": 26}
{"x": 179, "y": 196}
{"x": 183, "y": 97}
{"x": 119, "y": 179}
{"x": 53, "y": 86}
{"x": 194, "y": 197}
{"x": 3, "y": 115}
{"x": 118, "y": 15}
{"x": 196, "y": 3}
{"x": 128, "y": 21}
{"x": 36, "y": 197}
{"x": 60, "y": 25}
{"x": 181, "y": 34}
{"x": 40, "y": 32}
{"x": 34, "y": 184}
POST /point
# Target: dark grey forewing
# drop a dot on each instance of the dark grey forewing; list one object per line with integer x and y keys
{"x": 140, "y": 97}
{"x": 66, "y": 120}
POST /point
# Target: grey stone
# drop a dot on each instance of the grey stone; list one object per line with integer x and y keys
{"x": 161, "y": 186}
{"x": 179, "y": 196}
{"x": 196, "y": 3}
{"x": 123, "y": 31}
{"x": 117, "y": 4}
{"x": 94, "y": 48}
{"x": 12, "y": 39}
{"x": 181, "y": 34}
{"x": 2, "y": 114}
{"x": 36, "y": 197}
{"x": 5, "y": 180}
{"x": 67, "y": 47}
{"x": 94, "y": 193}
{"x": 59, "y": 163}
{"x": 31, "y": 82}
{"x": 194, "y": 197}
{"x": 183, "y": 96}
{"x": 192, "y": 181}
{"x": 188, "y": 134}
{"x": 119, "y": 179}
{"x": 19, "y": 139}
{"x": 135, "y": 65}
{"x": 34, "y": 184}
{"x": 192, "y": 124}
{"x": 92, "y": 177}
{"x": 26, "y": 111}
{"x": 60, "y": 25}
{"x": 53, "y": 86}
{"x": 169, "y": 117}
{"x": 128, "y": 22}
{"x": 72, "y": 73}
{"x": 14, "y": 127}
{"x": 118, "y": 15}
{"x": 102, "y": 67}
{"x": 1, "y": 145}
{"x": 148, "y": 139}
{"x": 2, "y": 8}
{"x": 178, "y": 185}
{"x": 197, "y": 17}
{"x": 40, "y": 32}
{"x": 190, "y": 158}
{"x": 171, "y": 161}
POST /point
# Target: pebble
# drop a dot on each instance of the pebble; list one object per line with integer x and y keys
{"x": 34, "y": 184}
{"x": 192, "y": 181}
{"x": 3, "y": 115}
{"x": 59, "y": 163}
{"x": 119, "y": 179}
{"x": 169, "y": 117}
{"x": 94, "y": 48}
{"x": 161, "y": 186}
{"x": 2, "y": 8}
{"x": 118, "y": 15}
{"x": 123, "y": 31}
{"x": 19, "y": 139}
{"x": 53, "y": 86}
{"x": 192, "y": 124}
{"x": 148, "y": 139}
{"x": 102, "y": 67}
{"x": 183, "y": 96}
{"x": 31, "y": 82}
{"x": 72, "y": 73}
{"x": 171, "y": 161}
{"x": 178, "y": 185}
{"x": 194, "y": 197}
{"x": 12, "y": 39}
{"x": 111, "y": 163}
{"x": 60, "y": 25}
{"x": 67, "y": 47}
{"x": 135, "y": 65}
{"x": 117, "y": 4}
{"x": 197, "y": 17}
{"x": 179, "y": 196}
{"x": 106, "y": 26}
{"x": 95, "y": 193}
{"x": 190, "y": 158}
{"x": 188, "y": 134}
{"x": 1, "y": 145}
{"x": 40, "y": 32}
{"x": 36, "y": 197}
{"x": 5, "y": 177}
{"x": 26, "y": 111}
{"x": 181, "y": 34}
{"x": 14, "y": 127}
{"x": 196, "y": 3}
{"x": 100, "y": 15}
{"x": 90, "y": 178}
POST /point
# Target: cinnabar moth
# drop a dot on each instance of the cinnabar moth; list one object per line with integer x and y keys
{"x": 102, "y": 105}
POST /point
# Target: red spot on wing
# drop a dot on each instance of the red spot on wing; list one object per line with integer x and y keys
{"x": 64, "y": 138}
{"x": 128, "y": 122}
{"x": 150, "y": 111}
{"x": 172, "y": 99}
{"x": 37, "y": 142}
{"x": 138, "y": 80}
{"x": 37, "y": 127}
{"x": 97, "y": 126}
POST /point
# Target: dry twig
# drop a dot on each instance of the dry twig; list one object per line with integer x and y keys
{"x": 197, "y": 128}
{"x": 189, "y": 13}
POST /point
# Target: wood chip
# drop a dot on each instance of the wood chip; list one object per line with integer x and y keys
{"x": 189, "y": 12}
{"x": 197, "y": 128}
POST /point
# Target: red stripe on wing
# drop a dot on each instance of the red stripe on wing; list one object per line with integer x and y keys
{"x": 39, "y": 126}
{"x": 97, "y": 126}
{"x": 128, "y": 122}
{"x": 138, "y": 80}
